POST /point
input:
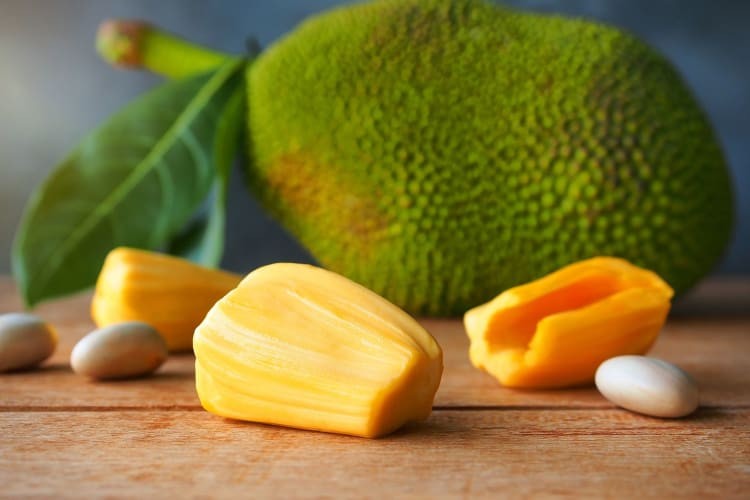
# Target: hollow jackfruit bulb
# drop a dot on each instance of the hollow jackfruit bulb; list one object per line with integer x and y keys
{"x": 299, "y": 346}
{"x": 556, "y": 331}
{"x": 169, "y": 293}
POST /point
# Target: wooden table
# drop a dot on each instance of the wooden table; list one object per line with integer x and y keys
{"x": 64, "y": 435}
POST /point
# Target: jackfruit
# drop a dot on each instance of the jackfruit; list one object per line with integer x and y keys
{"x": 169, "y": 293}
{"x": 438, "y": 151}
{"x": 300, "y": 346}
{"x": 557, "y": 330}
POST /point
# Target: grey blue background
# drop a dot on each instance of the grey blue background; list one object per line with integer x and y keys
{"x": 53, "y": 87}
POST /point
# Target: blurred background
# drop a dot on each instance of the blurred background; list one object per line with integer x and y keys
{"x": 54, "y": 88}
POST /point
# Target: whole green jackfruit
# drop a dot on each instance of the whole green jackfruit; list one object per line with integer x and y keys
{"x": 439, "y": 152}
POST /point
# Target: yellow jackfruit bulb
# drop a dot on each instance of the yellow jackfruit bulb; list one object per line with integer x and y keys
{"x": 556, "y": 331}
{"x": 299, "y": 346}
{"x": 169, "y": 293}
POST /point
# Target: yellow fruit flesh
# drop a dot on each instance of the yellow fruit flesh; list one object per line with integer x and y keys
{"x": 299, "y": 346}
{"x": 171, "y": 294}
{"x": 555, "y": 331}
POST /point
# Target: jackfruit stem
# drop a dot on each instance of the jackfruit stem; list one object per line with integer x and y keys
{"x": 138, "y": 44}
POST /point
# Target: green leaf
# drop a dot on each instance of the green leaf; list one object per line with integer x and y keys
{"x": 134, "y": 181}
{"x": 203, "y": 240}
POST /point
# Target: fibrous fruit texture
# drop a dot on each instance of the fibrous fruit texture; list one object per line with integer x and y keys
{"x": 168, "y": 293}
{"x": 440, "y": 151}
{"x": 300, "y": 346}
{"x": 556, "y": 331}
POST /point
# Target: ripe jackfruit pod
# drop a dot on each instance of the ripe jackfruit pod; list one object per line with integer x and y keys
{"x": 299, "y": 346}
{"x": 555, "y": 331}
{"x": 169, "y": 293}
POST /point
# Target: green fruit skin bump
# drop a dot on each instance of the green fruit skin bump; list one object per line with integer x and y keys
{"x": 439, "y": 152}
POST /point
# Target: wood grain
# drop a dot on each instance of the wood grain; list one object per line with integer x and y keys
{"x": 63, "y": 435}
{"x": 579, "y": 453}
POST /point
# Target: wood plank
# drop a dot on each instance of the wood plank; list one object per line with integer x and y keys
{"x": 716, "y": 351}
{"x": 453, "y": 454}
{"x": 64, "y": 435}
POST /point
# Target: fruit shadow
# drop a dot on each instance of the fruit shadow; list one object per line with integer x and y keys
{"x": 39, "y": 370}
{"x": 156, "y": 378}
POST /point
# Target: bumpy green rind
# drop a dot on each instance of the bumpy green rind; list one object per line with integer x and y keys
{"x": 440, "y": 152}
